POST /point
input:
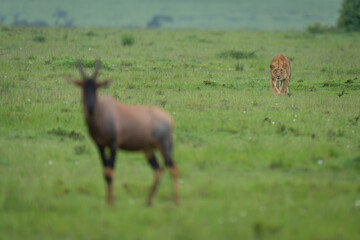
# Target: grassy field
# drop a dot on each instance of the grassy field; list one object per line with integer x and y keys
{"x": 252, "y": 165}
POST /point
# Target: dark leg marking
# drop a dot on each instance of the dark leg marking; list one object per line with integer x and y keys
{"x": 162, "y": 132}
{"x": 102, "y": 155}
{"x": 157, "y": 174}
{"x": 108, "y": 164}
{"x": 153, "y": 162}
{"x": 166, "y": 147}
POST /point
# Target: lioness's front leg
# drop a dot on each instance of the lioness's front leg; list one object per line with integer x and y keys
{"x": 274, "y": 88}
{"x": 284, "y": 90}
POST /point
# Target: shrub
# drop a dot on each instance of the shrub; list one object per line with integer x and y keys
{"x": 70, "y": 62}
{"x": 40, "y": 39}
{"x": 349, "y": 18}
{"x": 237, "y": 54}
{"x": 316, "y": 27}
{"x": 127, "y": 40}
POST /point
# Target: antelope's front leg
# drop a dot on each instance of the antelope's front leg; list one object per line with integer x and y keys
{"x": 108, "y": 166}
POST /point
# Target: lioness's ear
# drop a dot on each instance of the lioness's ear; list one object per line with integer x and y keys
{"x": 272, "y": 66}
{"x": 103, "y": 84}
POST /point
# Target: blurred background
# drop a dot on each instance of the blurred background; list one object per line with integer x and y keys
{"x": 189, "y": 14}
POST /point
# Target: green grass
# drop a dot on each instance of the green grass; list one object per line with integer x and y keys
{"x": 252, "y": 165}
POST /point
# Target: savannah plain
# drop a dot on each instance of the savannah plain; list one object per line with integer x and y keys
{"x": 252, "y": 165}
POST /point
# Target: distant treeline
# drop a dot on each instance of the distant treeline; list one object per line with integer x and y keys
{"x": 63, "y": 20}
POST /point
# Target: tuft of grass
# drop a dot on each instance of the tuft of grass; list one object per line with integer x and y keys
{"x": 127, "y": 40}
{"x": 317, "y": 27}
{"x": 353, "y": 163}
{"x": 64, "y": 133}
{"x": 239, "y": 67}
{"x": 210, "y": 82}
{"x": 237, "y": 54}
{"x": 69, "y": 62}
{"x": 39, "y": 39}
{"x": 91, "y": 34}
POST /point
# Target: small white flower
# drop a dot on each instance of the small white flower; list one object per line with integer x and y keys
{"x": 28, "y": 99}
{"x": 294, "y": 120}
{"x": 272, "y": 123}
{"x": 244, "y": 111}
{"x": 295, "y": 115}
{"x": 347, "y": 146}
{"x": 50, "y": 162}
{"x": 90, "y": 49}
{"x": 357, "y": 203}
{"x": 320, "y": 162}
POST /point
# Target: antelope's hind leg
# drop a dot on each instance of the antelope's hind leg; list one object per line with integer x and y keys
{"x": 157, "y": 174}
{"x": 162, "y": 132}
{"x": 169, "y": 162}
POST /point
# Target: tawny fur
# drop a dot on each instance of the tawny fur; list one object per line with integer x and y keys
{"x": 133, "y": 124}
{"x": 134, "y": 128}
{"x": 280, "y": 73}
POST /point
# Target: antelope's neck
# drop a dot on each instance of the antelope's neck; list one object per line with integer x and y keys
{"x": 92, "y": 122}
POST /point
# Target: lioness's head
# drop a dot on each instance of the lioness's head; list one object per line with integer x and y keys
{"x": 279, "y": 71}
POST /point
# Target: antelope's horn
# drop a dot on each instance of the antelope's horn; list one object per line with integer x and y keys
{"x": 81, "y": 69}
{"x": 97, "y": 67}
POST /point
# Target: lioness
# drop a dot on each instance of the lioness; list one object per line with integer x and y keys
{"x": 280, "y": 72}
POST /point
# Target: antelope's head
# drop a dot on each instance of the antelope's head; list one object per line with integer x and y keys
{"x": 89, "y": 86}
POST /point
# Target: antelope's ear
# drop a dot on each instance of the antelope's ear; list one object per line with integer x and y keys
{"x": 76, "y": 82}
{"x": 272, "y": 66}
{"x": 103, "y": 84}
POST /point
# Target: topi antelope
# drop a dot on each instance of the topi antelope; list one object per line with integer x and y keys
{"x": 134, "y": 128}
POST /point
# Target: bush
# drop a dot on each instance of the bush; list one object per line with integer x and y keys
{"x": 40, "y": 39}
{"x": 349, "y": 19}
{"x": 127, "y": 40}
{"x": 316, "y": 27}
{"x": 70, "y": 62}
{"x": 237, "y": 54}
